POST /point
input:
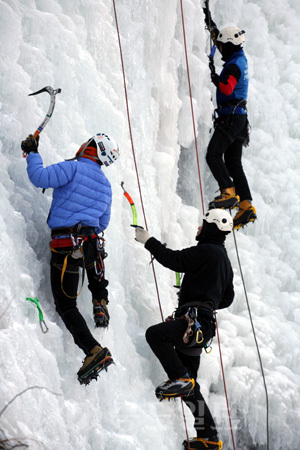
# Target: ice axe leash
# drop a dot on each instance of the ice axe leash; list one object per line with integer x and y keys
{"x": 43, "y": 325}
{"x": 52, "y": 92}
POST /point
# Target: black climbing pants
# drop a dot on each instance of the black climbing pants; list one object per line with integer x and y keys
{"x": 224, "y": 153}
{"x": 163, "y": 339}
{"x": 65, "y": 292}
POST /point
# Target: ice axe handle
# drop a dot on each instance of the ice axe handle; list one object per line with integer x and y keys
{"x": 52, "y": 92}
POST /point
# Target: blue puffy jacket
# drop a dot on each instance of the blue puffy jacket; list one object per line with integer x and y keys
{"x": 81, "y": 191}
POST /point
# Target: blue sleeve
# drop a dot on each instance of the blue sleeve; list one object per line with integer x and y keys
{"x": 49, "y": 177}
{"x": 105, "y": 218}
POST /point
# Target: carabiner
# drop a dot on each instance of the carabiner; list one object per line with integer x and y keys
{"x": 201, "y": 339}
{"x": 208, "y": 351}
{"x": 43, "y": 326}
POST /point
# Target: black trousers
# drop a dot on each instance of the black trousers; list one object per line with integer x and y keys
{"x": 224, "y": 154}
{"x": 163, "y": 339}
{"x": 64, "y": 294}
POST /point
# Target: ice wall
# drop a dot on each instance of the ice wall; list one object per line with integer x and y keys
{"x": 74, "y": 46}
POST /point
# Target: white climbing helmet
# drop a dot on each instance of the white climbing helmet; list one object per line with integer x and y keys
{"x": 221, "y": 218}
{"x": 107, "y": 148}
{"x": 231, "y": 34}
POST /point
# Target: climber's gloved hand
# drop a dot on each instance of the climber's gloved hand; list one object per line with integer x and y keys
{"x": 215, "y": 78}
{"x": 141, "y": 235}
{"x": 211, "y": 66}
{"x": 30, "y": 145}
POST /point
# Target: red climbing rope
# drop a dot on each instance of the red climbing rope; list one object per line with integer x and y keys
{"x": 133, "y": 151}
{"x": 187, "y": 435}
{"x": 200, "y": 184}
{"x": 192, "y": 108}
{"x": 199, "y": 175}
{"x": 225, "y": 390}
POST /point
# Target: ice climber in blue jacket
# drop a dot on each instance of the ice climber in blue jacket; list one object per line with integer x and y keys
{"x": 79, "y": 214}
{"x": 224, "y": 153}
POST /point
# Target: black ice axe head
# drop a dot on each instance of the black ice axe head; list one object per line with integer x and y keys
{"x": 52, "y": 92}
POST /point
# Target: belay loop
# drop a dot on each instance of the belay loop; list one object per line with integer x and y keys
{"x": 43, "y": 325}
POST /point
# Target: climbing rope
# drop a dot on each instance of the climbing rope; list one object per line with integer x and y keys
{"x": 255, "y": 339}
{"x": 192, "y": 108}
{"x": 201, "y": 191}
{"x": 133, "y": 151}
{"x": 224, "y": 383}
{"x": 186, "y": 431}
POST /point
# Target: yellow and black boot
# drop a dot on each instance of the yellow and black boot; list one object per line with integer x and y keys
{"x": 227, "y": 200}
{"x": 101, "y": 315}
{"x": 203, "y": 444}
{"x": 179, "y": 387}
{"x": 245, "y": 214}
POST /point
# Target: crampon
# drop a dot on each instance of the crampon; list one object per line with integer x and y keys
{"x": 91, "y": 370}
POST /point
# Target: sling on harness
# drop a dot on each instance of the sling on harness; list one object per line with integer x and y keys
{"x": 201, "y": 324}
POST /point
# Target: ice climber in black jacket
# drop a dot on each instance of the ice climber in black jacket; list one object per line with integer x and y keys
{"x": 207, "y": 286}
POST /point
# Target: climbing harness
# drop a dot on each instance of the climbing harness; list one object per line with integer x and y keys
{"x": 43, "y": 325}
{"x": 52, "y": 92}
{"x": 80, "y": 243}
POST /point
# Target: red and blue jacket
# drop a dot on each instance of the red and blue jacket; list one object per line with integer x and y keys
{"x": 232, "y": 84}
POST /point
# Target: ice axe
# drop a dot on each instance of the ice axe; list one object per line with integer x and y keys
{"x": 52, "y": 92}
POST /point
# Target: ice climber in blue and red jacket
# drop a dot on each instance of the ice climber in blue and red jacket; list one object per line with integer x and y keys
{"x": 224, "y": 153}
{"x": 79, "y": 214}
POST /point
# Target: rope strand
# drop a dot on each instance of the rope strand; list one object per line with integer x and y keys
{"x": 201, "y": 191}
{"x": 192, "y": 108}
{"x": 225, "y": 389}
{"x": 255, "y": 339}
{"x": 133, "y": 152}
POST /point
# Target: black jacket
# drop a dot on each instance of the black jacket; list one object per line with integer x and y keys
{"x": 207, "y": 271}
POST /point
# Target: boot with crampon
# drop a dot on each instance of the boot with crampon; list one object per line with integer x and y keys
{"x": 245, "y": 214}
{"x": 179, "y": 387}
{"x": 227, "y": 200}
{"x": 196, "y": 443}
{"x": 101, "y": 315}
{"x": 98, "y": 359}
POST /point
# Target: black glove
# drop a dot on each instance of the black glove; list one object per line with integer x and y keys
{"x": 215, "y": 79}
{"x": 30, "y": 144}
{"x": 211, "y": 66}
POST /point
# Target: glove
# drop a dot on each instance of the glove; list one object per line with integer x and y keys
{"x": 211, "y": 66}
{"x": 30, "y": 145}
{"x": 215, "y": 79}
{"x": 142, "y": 235}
